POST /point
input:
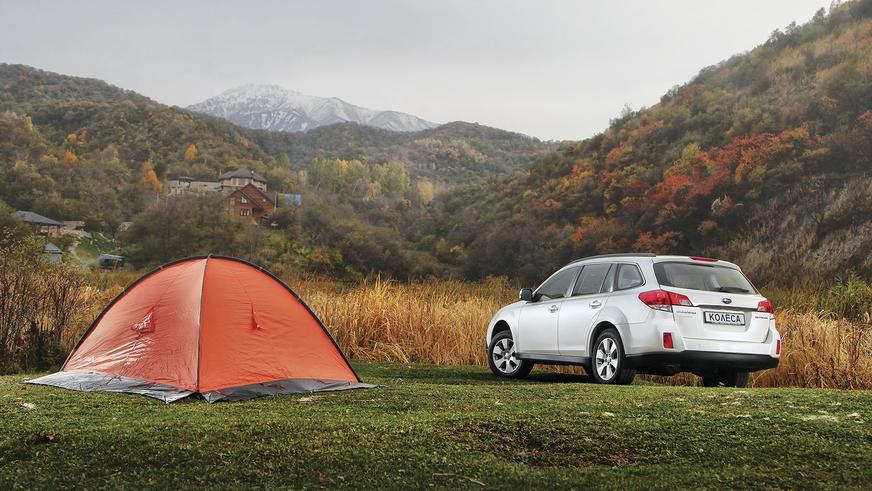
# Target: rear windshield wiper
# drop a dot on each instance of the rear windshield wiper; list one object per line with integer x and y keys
{"x": 732, "y": 289}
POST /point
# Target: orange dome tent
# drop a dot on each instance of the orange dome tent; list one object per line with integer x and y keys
{"x": 216, "y": 326}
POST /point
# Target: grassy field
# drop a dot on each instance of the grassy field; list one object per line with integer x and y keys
{"x": 442, "y": 427}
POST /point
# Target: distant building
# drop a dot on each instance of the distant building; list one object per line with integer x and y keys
{"x": 205, "y": 187}
{"x": 240, "y": 178}
{"x": 184, "y": 185}
{"x": 246, "y": 193}
{"x": 252, "y": 204}
{"x": 111, "y": 261}
{"x": 41, "y": 225}
{"x": 179, "y": 185}
{"x": 52, "y": 253}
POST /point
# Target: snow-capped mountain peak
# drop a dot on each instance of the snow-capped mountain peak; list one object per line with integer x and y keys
{"x": 275, "y": 108}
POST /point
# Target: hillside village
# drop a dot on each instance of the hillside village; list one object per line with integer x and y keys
{"x": 245, "y": 193}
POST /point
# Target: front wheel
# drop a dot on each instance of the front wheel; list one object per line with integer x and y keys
{"x": 502, "y": 359}
{"x": 608, "y": 365}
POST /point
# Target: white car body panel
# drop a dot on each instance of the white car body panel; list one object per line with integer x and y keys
{"x": 577, "y": 315}
{"x": 537, "y": 326}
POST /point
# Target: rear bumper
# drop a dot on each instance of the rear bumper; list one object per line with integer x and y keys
{"x": 699, "y": 361}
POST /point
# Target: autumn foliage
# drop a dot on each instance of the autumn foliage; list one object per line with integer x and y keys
{"x": 704, "y": 170}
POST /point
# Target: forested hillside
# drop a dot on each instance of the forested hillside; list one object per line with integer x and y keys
{"x": 765, "y": 159}
{"x": 81, "y": 149}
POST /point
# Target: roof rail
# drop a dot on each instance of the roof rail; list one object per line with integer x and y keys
{"x": 619, "y": 254}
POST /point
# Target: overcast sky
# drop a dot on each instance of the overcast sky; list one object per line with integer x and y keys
{"x": 555, "y": 70}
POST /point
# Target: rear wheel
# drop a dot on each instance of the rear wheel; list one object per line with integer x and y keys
{"x": 608, "y": 365}
{"x": 502, "y": 357}
{"x": 726, "y": 379}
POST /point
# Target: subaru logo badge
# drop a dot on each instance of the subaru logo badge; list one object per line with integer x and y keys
{"x": 727, "y": 300}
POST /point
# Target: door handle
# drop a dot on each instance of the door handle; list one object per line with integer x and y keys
{"x": 553, "y": 308}
{"x": 596, "y": 304}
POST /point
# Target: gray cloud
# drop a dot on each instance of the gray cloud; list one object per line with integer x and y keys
{"x": 550, "y": 69}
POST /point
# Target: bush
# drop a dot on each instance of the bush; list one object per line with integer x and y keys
{"x": 38, "y": 302}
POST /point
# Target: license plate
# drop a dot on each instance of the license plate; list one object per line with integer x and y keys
{"x": 728, "y": 318}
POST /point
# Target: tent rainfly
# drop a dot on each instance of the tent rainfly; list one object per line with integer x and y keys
{"x": 215, "y": 326}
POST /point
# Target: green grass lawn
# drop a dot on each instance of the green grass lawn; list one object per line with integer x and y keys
{"x": 443, "y": 427}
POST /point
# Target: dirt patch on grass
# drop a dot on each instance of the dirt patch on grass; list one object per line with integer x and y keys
{"x": 539, "y": 446}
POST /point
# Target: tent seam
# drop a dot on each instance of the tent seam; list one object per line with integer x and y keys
{"x": 200, "y": 322}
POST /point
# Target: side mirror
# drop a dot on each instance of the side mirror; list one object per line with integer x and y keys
{"x": 526, "y": 295}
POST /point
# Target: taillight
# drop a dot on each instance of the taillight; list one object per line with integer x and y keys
{"x": 765, "y": 306}
{"x": 667, "y": 340}
{"x": 706, "y": 259}
{"x": 778, "y": 347}
{"x": 664, "y": 300}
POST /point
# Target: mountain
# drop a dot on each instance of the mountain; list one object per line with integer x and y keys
{"x": 270, "y": 107}
{"x": 764, "y": 159}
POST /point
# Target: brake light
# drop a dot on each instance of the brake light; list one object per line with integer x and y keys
{"x": 664, "y": 300}
{"x": 706, "y": 259}
{"x": 667, "y": 340}
{"x": 765, "y": 306}
{"x": 778, "y": 347}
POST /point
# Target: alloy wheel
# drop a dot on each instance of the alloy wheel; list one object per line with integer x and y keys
{"x": 607, "y": 359}
{"x": 504, "y": 356}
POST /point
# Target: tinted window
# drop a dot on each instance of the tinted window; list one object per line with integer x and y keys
{"x": 558, "y": 284}
{"x": 706, "y": 277}
{"x": 629, "y": 276}
{"x": 591, "y": 279}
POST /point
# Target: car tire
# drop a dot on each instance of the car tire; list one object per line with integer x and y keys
{"x": 608, "y": 363}
{"x": 726, "y": 379}
{"x": 502, "y": 360}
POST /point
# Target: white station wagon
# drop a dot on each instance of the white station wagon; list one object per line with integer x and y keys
{"x": 619, "y": 314}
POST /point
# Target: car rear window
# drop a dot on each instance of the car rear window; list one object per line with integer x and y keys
{"x": 705, "y": 277}
{"x": 629, "y": 276}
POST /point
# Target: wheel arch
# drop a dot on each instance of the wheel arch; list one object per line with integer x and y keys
{"x": 598, "y": 329}
{"x": 500, "y": 326}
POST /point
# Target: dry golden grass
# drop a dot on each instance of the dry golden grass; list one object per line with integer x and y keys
{"x": 440, "y": 322}
{"x": 819, "y": 351}
{"x": 444, "y": 322}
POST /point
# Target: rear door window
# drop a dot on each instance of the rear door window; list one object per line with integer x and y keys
{"x": 705, "y": 277}
{"x": 591, "y": 279}
{"x": 628, "y": 277}
{"x": 557, "y": 285}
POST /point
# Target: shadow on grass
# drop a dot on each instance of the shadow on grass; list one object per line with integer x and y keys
{"x": 458, "y": 375}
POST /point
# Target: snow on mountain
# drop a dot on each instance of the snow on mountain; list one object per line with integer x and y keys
{"x": 275, "y": 108}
